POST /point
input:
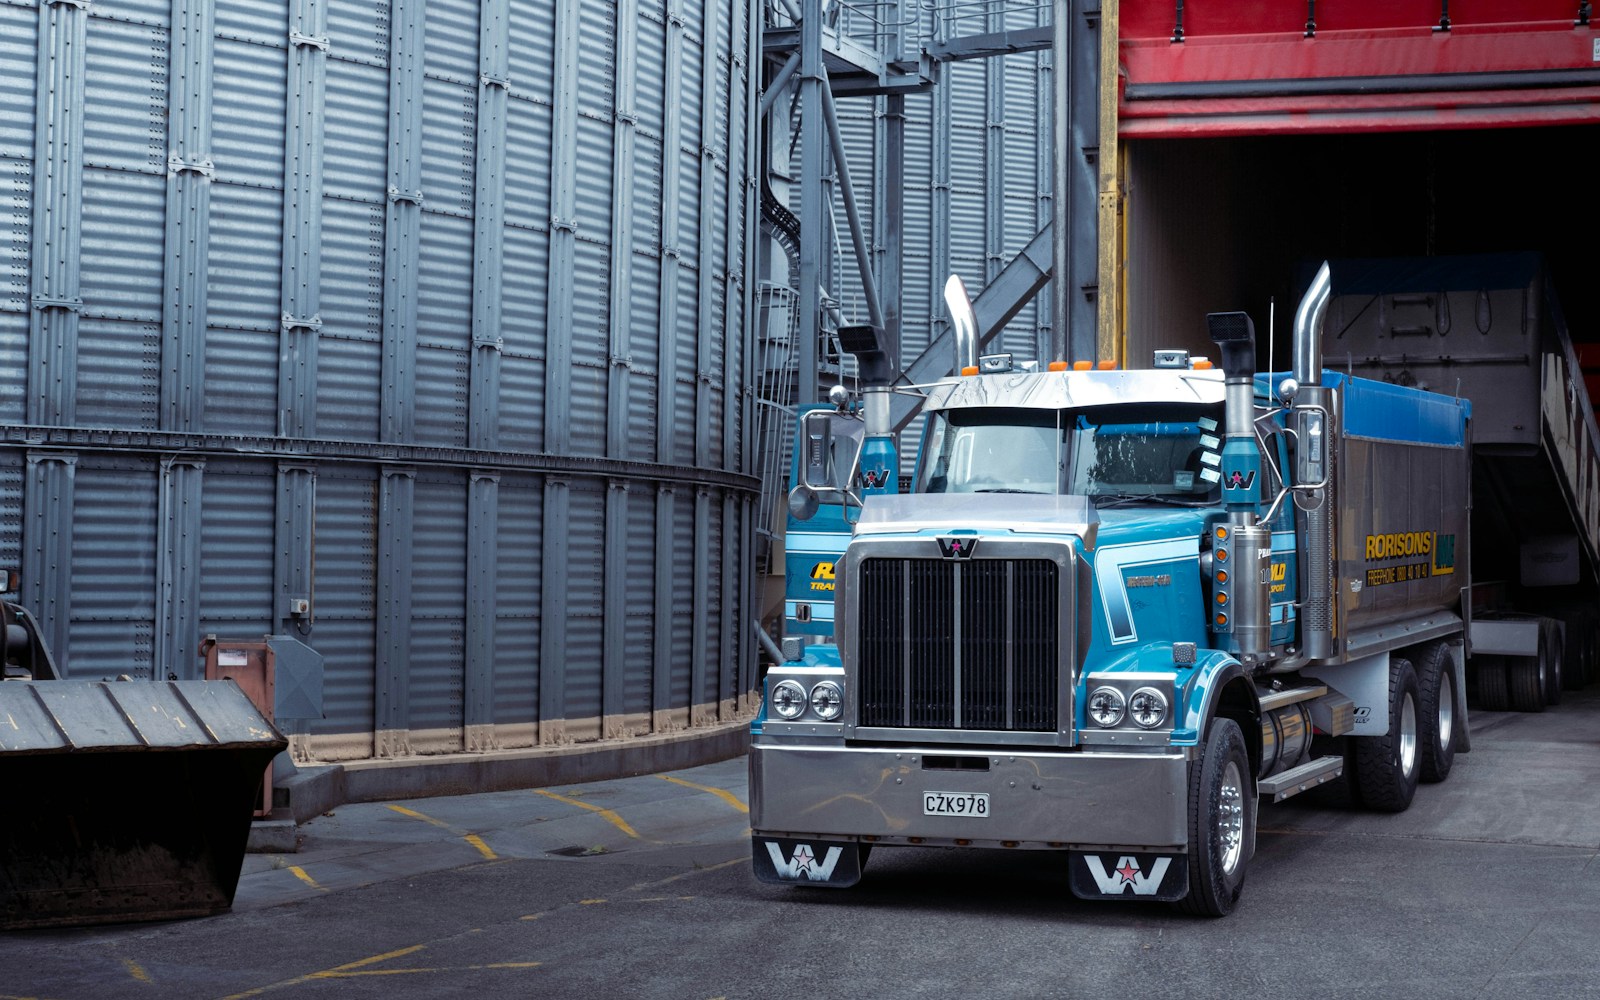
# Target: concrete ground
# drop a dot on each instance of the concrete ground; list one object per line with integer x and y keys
{"x": 1489, "y": 886}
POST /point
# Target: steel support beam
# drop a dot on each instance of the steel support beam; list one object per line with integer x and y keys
{"x": 624, "y": 134}
{"x": 397, "y": 488}
{"x": 561, "y": 292}
{"x": 402, "y": 238}
{"x": 482, "y": 611}
{"x": 293, "y": 545}
{"x": 1023, "y": 277}
{"x": 618, "y": 557}
{"x": 705, "y": 245}
{"x": 489, "y": 218}
{"x": 666, "y": 610}
{"x": 178, "y": 519}
{"x": 186, "y": 254}
{"x": 56, "y": 295}
{"x": 300, "y": 292}
{"x": 813, "y": 207}
{"x": 668, "y": 417}
{"x": 49, "y": 493}
{"x": 553, "y": 548}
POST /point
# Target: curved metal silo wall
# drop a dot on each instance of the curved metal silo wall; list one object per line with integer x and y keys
{"x": 415, "y": 329}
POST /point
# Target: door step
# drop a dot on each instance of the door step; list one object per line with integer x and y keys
{"x": 1302, "y": 778}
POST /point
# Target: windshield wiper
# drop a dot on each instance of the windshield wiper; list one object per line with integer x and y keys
{"x": 1167, "y": 499}
{"x": 1003, "y": 489}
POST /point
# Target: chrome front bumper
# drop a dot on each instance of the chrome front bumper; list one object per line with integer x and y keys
{"x": 1036, "y": 800}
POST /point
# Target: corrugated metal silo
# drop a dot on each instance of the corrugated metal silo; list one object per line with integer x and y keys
{"x": 414, "y": 329}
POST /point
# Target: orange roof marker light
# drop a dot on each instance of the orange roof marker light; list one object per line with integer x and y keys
{"x": 1107, "y": 365}
{"x": 1058, "y": 366}
{"x": 1203, "y": 365}
{"x": 1082, "y": 366}
{"x": 969, "y": 370}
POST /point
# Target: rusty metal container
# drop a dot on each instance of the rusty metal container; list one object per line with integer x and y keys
{"x": 252, "y": 666}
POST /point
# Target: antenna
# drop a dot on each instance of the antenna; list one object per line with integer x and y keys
{"x": 1272, "y": 332}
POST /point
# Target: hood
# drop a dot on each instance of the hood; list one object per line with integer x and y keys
{"x": 1021, "y": 513}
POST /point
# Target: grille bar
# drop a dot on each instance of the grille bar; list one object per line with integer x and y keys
{"x": 967, "y": 644}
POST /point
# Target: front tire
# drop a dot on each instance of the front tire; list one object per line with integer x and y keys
{"x": 1387, "y": 766}
{"x": 1222, "y": 822}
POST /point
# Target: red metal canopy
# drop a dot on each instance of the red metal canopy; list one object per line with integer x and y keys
{"x": 1260, "y": 68}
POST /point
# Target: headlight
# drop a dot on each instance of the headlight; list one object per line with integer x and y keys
{"x": 789, "y": 699}
{"x": 1106, "y": 706}
{"x": 827, "y": 701}
{"x": 1148, "y": 707}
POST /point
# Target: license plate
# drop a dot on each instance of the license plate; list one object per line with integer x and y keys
{"x": 955, "y": 804}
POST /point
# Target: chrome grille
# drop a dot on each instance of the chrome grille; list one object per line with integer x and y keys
{"x": 959, "y": 644}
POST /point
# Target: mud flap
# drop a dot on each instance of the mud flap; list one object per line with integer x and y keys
{"x": 1119, "y": 875}
{"x": 826, "y": 863}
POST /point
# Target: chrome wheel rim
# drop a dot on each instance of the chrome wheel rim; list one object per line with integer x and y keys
{"x": 1230, "y": 818}
{"x": 1447, "y": 711}
{"x": 1408, "y": 736}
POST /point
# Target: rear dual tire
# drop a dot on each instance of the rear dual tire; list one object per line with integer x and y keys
{"x": 1436, "y": 722}
{"x": 1388, "y": 767}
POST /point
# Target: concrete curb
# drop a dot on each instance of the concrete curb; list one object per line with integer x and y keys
{"x": 311, "y": 790}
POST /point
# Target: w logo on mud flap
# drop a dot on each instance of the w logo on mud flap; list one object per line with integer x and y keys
{"x": 802, "y": 864}
{"x": 1129, "y": 875}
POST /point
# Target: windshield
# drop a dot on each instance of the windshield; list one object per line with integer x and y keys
{"x": 1152, "y": 452}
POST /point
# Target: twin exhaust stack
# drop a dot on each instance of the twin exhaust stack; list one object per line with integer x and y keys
{"x": 1249, "y": 616}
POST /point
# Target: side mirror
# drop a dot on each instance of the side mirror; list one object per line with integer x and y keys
{"x": 830, "y": 458}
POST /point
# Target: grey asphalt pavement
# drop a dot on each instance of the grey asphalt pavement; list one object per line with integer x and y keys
{"x": 1489, "y": 886}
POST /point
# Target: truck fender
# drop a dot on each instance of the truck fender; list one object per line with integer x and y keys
{"x": 1220, "y": 685}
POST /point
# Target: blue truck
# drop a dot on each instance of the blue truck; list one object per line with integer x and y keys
{"x": 1116, "y": 611}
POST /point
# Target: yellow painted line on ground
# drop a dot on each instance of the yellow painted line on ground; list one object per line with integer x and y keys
{"x": 402, "y": 810}
{"x": 137, "y": 971}
{"x": 611, "y": 817}
{"x": 300, "y": 873}
{"x": 721, "y": 793}
{"x": 471, "y": 838}
{"x": 332, "y": 973}
{"x": 483, "y": 849}
{"x": 642, "y": 886}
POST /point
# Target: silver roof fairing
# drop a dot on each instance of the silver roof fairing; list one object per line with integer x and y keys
{"x": 1063, "y": 390}
{"x": 1022, "y": 513}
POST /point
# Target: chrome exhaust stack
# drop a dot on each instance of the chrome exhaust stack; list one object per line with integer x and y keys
{"x": 1314, "y": 428}
{"x": 963, "y": 323}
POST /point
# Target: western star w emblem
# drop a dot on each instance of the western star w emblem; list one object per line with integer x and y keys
{"x": 958, "y": 548}
{"x": 793, "y": 862}
{"x": 1238, "y": 480}
{"x": 875, "y": 480}
{"x": 1127, "y": 875}
{"x": 802, "y": 864}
